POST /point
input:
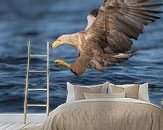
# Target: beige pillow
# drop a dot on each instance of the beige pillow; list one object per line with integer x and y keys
{"x": 143, "y": 90}
{"x": 101, "y": 95}
{"x": 76, "y": 92}
{"x": 132, "y": 91}
{"x": 79, "y": 91}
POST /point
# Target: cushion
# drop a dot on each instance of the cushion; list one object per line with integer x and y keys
{"x": 142, "y": 92}
{"x": 131, "y": 91}
{"x": 101, "y": 95}
{"x": 76, "y": 92}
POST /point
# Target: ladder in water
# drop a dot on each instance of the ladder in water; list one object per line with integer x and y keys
{"x": 27, "y": 89}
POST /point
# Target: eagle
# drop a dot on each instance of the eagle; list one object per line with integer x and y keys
{"x": 107, "y": 39}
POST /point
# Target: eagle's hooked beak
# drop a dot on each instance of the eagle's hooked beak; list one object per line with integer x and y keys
{"x": 56, "y": 44}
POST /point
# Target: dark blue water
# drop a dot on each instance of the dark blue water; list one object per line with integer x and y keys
{"x": 42, "y": 21}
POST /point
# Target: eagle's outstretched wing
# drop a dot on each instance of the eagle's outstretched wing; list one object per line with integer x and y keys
{"x": 91, "y": 18}
{"x": 120, "y": 21}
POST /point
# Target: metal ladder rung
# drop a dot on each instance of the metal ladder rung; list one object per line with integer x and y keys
{"x": 33, "y": 56}
{"x": 36, "y": 105}
{"x": 37, "y": 89}
{"x": 38, "y": 71}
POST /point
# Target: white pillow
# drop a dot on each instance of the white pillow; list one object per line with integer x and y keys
{"x": 110, "y": 88}
{"x": 143, "y": 91}
{"x": 71, "y": 92}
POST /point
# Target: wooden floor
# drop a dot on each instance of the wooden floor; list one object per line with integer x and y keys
{"x": 15, "y": 121}
{"x": 17, "y": 126}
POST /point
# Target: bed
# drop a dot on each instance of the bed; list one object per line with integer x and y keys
{"x": 106, "y": 108}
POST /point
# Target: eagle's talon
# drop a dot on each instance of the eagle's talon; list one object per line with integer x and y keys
{"x": 61, "y": 63}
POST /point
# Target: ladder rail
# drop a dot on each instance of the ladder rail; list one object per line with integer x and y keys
{"x": 26, "y": 89}
{"x": 48, "y": 78}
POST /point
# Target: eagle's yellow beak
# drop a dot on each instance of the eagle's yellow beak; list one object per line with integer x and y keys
{"x": 56, "y": 44}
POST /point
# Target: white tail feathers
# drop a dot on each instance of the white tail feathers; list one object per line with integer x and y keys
{"x": 123, "y": 55}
